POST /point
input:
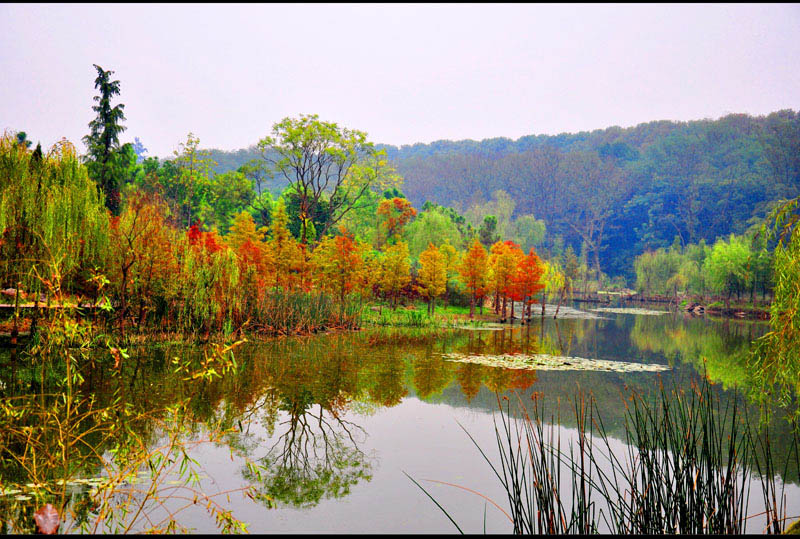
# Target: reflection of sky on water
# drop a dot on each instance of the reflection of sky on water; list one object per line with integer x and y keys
{"x": 402, "y": 404}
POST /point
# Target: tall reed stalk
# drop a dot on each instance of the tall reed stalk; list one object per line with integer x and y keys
{"x": 687, "y": 467}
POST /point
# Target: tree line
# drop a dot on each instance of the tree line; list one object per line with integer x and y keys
{"x": 171, "y": 243}
{"x": 613, "y": 193}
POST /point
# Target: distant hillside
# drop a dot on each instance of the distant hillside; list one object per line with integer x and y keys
{"x": 619, "y": 191}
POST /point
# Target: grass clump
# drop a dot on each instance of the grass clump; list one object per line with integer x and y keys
{"x": 688, "y": 466}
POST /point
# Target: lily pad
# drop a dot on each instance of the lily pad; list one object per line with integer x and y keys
{"x": 547, "y": 362}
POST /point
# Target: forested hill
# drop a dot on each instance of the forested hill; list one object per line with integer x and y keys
{"x": 618, "y": 191}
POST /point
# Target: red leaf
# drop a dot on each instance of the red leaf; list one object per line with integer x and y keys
{"x": 47, "y": 520}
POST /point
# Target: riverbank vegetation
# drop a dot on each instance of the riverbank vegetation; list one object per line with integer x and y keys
{"x": 313, "y": 226}
{"x": 314, "y": 233}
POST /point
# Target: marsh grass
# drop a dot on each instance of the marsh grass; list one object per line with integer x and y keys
{"x": 105, "y": 467}
{"x": 687, "y": 465}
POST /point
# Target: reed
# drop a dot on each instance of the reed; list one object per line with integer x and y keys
{"x": 688, "y": 467}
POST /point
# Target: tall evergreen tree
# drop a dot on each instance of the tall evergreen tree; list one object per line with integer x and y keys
{"x": 103, "y": 138}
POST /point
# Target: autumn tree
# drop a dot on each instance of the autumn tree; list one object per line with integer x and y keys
{"x": 141, "y": 259}
{"x": 393, "y": 214}
{"x": 322, "y": 159}
{"x": 503, "y": 260}
{"x": 284, "y": 248}
{"x": 395, "y": 270}
{"x": 339, "y": 265}
{"x": 244, "y": 229}
{"x": 256, "y": 260}
{"x": 528, "y": 281}
{"x": 432, "y": 275}
{"x": 473, "y": 272}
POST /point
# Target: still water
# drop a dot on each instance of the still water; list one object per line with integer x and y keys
{"x": 338, "y": 420}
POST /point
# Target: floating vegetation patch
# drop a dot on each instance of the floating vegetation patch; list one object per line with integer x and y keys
{"x": 485, "y": 327}
{"x": 545, "y": 362}
{"x": 564, "y": 311}
{"x": 18, "y": 490}
{"x": 628, "y": 310}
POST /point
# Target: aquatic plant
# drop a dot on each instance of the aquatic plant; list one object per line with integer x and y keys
{"x": 682, "y": 471}
{"x": 94, "y": 466}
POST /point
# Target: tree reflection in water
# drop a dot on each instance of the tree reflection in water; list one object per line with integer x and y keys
{"x": 316, "y": 457}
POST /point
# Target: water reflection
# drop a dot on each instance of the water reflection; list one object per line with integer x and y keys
{"x": 299, "y": 407}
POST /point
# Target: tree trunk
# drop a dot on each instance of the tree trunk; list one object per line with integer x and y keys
{"x": 560, "y": 299}
{"x": 472, "y": 306}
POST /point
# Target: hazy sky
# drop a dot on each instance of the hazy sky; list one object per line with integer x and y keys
{"x": 402, "y": 73}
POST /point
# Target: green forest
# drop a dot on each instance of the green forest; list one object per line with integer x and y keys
{"x": 614, "y": 193}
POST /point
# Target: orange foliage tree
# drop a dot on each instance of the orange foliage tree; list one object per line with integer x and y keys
{"x": 393, "y": 215}
{"x": 503, "y": 260}
{"x": 141, "y": 257}
{"x": 286, "y": 252}
{"x": 527, "y": 281}
{"x": 473, "y": 271}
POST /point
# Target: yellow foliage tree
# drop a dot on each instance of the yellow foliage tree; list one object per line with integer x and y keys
{"x": 339, "y": 265}
{"x": 553, "y": 279}
{"x": 395, "y": 270}
{"x": 284, "y": 248}
{"x": 244, "y": 229}
{"x": 432, "y": 275}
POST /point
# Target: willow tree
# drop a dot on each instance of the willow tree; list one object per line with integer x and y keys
{"x": 775, "y": 360}
{"x": 52, "y": 217}
{"x": 323, "y": 160}
{"x": 103, "y": 138}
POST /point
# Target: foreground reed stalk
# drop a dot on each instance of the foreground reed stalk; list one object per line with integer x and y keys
{"x": 688, "y": 465}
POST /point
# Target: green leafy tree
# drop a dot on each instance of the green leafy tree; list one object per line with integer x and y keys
{"x": 727, "y": 267}
{"x": 320, "y": 158}
{"x": 431, "y": 227}
{"x": 22, "y": 139}
{"x": 191, "y": 183}
{"x": 776, "y": 358}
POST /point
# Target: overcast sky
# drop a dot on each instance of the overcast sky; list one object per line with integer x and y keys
{"x": 402, "y": 73}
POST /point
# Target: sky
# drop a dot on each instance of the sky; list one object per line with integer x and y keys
{"x": 404, "y": 73}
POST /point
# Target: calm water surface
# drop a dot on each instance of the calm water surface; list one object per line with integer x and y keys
{"x": 338, "y": 420}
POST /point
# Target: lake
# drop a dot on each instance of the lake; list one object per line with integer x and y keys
{"x": 338, "y": 420}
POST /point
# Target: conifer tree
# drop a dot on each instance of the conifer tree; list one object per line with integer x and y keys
{"x": 284, "y": 248}
{"x": 473, "y": 272}
{"x": 103, "y": 139}
{"x": 432, "y": 274}
{"x": 395, "y": 270}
